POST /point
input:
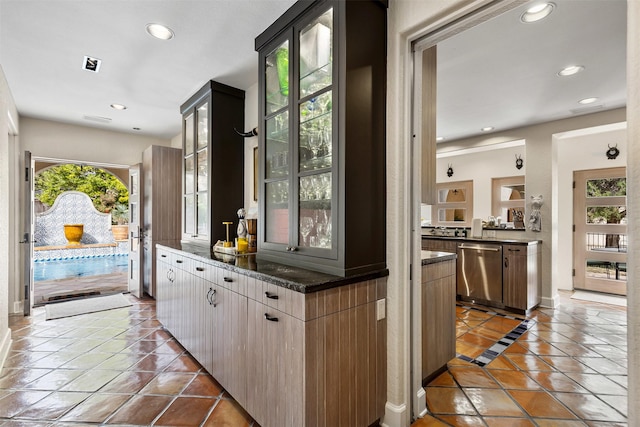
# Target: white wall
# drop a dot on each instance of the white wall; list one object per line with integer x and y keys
{"x": 8, "y": 206}
{"x": 580, "y": 150}
{"x": 481, "y": 167}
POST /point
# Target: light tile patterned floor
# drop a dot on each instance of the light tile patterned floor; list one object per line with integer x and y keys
{"x": 568, "y": 369}
{"x": 116, "y": 367}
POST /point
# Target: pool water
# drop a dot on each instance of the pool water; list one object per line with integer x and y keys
{"x": 79, "y": 267}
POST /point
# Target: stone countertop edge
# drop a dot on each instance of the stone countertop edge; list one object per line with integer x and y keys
{"x": 433, "y": 257}
{"x": 290, "y": 277}
{"x": 485, "y": 240}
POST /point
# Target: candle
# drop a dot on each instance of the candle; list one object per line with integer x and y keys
{"x": 243, "y": 245}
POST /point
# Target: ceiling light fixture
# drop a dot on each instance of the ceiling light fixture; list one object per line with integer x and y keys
{"x": 91, "y": 64}
{"x": 537, "y": 12}
{"x": 487, "y": 129}
{"x": 118, "y": 107}
{"x": 160, "y": 31}
{"x": 570, "y": 70}
{"x": 587, "y": 101}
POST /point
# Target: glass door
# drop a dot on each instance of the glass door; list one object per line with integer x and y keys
{"x": 315, "y": 147}
{"x": 600, "y": 238}
{"x": 196, "y": 173}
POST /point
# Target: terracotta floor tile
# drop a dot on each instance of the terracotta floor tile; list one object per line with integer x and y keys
{"x": 514, "y": 380}
{"x": 54, "y": 380}
{"x": 54, "y": 405}
{"x": 617, "y": 402}
{"x": 560, "y": 423}
{"x": 501, "y": 362}
{"x": 553, "y": 337}
{"x": 170, "y": 347}
{"x": 129, "y": 382}
{"x": 448, "y": 400}
{"x": 227, "y": 413}
{"x": 96, "y": 408}
{"x": 87, "y": 361}
{"x": 529, "y": 362}
{"x": 120, "y": 361}
{"x": 623, "y": 380}
{"x": 489, "y": 333}
{"x": 567, "y": 364}
{"x": 516, "y": 348}
{"x": 604, "y": 424}
{"x": 186, "y": 411}
{"x": 25, "y": 359}
{"x": 603, "y": 366}
{"x": 429, "y": 421}
{"x": 443, "y": 380}
{"x": 508, "y": 422}
{"x": 473, "y": 377}
{"x": 169, "y": 383}
{"x": 203, "y": 385}
{"x": 140, "y": 410}
{"x": 540, "y": 404}
{"x": 18, "y": 378}
{"x": 184, "y": 363}
{"x": 589, "y": 407}
{"x": 557, "y": 381}
{"x": 541, "y": 348}
{"x": 55, "y": 360}
{"x": 493, "y": 402}
{"x": 91, "y": 381}
{"x": 469, "y": 350}
{"x": 597, "y": 383}
{"x": 16, "y": 402}
{"x": 477, "y": 340}
{"x": 501, "y": 324}
{"x": 576, "y": 350}
{"x": 472, "y": 323}
{"x": 154, "y": 362}
{"x": 462, "y": 420}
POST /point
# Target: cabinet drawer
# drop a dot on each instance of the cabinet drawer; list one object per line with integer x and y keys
{"x": 282, "y": 299}
{"x": 232, "y": 280}
{"x": 165, "y": 256}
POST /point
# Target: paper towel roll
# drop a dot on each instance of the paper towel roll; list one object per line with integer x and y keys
{"x": 476, "y": 227}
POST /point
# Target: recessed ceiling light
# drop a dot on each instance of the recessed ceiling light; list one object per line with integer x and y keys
{"x": 440, "y": 138}
{"x": 487, "y": 129}
{"x": 118, "y": 107}
{"x": 537, "y": 12}
{"x": 160, "y": 31}
{"x": 587, "y": 101}
{"x": 570, "y": 70}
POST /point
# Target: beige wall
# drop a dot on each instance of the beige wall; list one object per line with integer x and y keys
{"x": 8, "y": 209}
{"x": 57, "y": 140}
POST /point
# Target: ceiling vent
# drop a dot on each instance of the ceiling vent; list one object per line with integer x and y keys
{"x": 91, "y": 64}
{"x": 98, "y": 119}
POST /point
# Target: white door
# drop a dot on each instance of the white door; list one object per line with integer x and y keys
{"x": 600, "y": 237}
{"x": 136, "y": 269}
{"x": 27, "y": 233}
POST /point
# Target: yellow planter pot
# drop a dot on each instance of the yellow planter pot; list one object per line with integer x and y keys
{"x": 73, "y": 233}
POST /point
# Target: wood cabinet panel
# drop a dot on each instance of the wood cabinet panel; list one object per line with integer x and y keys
{"x": 521, "y": 277}
{"x": 440, "y": 245}
{"x": 438, "y": 317}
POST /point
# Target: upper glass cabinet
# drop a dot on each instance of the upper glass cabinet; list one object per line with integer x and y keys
{"x": 322, "y": 136}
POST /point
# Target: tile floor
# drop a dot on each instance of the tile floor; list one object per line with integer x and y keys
{"x": 116, "y": 367}
{"x": 567, "y": 369}
{"x": 120, "y": 367}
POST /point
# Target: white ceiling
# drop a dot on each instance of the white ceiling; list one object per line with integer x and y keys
{"x": 501, "y": 73}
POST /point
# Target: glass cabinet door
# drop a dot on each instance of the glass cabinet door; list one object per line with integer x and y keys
{"x": 315, "y": 134}
{"x": 196, "y": 173}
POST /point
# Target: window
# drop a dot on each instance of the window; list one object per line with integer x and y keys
{"x": 508, "y": 199}
{"x": 454, "y": 205}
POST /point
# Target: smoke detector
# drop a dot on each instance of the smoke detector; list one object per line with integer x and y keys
{"x": 91, "y": 64}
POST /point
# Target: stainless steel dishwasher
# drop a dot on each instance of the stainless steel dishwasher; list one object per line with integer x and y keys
{"x": 479, "y": 275}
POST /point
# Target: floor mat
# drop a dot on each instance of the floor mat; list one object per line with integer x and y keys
{"x": 85, "y": 305}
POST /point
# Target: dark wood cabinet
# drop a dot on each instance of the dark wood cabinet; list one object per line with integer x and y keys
{"x": 322, "y": 137}
{"x": 521, "y": 280}
{"x": 213, "y": 162}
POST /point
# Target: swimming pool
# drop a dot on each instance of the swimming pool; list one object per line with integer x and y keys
{"x": 79, "y": 267}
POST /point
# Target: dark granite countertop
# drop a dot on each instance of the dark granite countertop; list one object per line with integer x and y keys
{"x": 432, "y": 257}
{"x": 294, "y": 278}
{"x": 485, "y": 240}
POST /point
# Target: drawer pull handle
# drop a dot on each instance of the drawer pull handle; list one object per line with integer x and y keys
{"x": 514, "y": 250}
{"x": 228, "y": 279}
{"x": 211, "y": 296}
{"x": 199, "y": 268}
{"x": 270, "y": 318}
{"x": 163, "y": 256}
{"x": 270, "y": 295}
{"x": 179, "y": 261}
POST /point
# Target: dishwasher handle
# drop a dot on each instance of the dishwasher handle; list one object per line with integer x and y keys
{"x": 480, "y": 247}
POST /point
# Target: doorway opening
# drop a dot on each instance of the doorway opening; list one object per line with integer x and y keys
{"x": 94, "y": 200}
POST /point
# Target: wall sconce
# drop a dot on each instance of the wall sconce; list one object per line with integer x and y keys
{"x": 450, "y": 171}
{"x": 519, "y": 162}
{"x": 612, "y": 152}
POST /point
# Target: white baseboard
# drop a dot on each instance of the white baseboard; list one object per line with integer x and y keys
{"x": 552, "y": 302}
{"x": 420, "y": 403}
{"x": 395, "y": 416}
{"x": 5, "y": 345}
